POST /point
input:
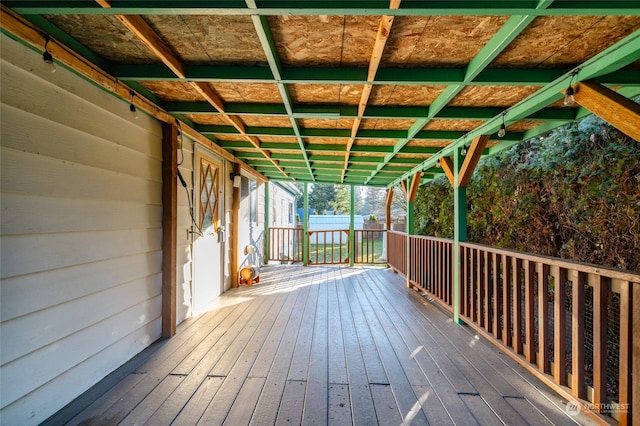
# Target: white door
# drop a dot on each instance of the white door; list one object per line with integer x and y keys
{"x": 208, "y": 253}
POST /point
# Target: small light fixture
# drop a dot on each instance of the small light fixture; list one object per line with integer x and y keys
{"x": 179, "y": 135}
{"x": 569, "y": 99}
{"x": 503, "y": 128}
{"x": 236, "y": 178}
{"x": 463, "y": 151}
{"x": 132, "y": 107}
{"x": 438, "y": 165}
{"x": 47, "y": 57}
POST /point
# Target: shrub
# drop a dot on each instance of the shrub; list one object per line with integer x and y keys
{"x": 574, "y": 194}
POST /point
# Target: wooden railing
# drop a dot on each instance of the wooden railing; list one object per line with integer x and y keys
{"x": 431, "y": 267}
{"x": 397, "y": 251}
{"x": 571, "y": 324}
{"x": 285, "y": 244}
{"x": 329, "y": 246}
{"x": 369, "y": 246}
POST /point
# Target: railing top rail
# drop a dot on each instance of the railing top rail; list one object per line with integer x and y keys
{"x": 553, "y": 261}
{"x": 328, "y": 230}
{"x": 563, "y": 263}
{"x": 424, "y": 237}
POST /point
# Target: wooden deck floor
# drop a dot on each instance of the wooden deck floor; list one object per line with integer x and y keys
{"x": 320, "y": 345}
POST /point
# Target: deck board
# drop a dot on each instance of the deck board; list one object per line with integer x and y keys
{"x": 320, "y": 345}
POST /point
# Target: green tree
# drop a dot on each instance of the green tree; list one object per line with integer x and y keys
{"x": 322, "y": 198}
{"x": 374, "y": 202}
{"x": 343, "y": 199}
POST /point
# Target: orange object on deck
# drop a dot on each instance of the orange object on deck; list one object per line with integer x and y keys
{"x": 249, "y": 275}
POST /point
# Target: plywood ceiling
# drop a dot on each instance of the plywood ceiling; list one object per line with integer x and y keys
{"x": 305, "y": 93}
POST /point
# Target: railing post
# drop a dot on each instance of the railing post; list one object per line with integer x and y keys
{"x": 459, "y": 231}
{"x": 305, "y": 225}
{"x": 410, "y": 231}
{"x": 634, "y": 416}
{"x": 352, "y": 221}
{"x": 267, "y": 196}
{"x": 413, "y": 184}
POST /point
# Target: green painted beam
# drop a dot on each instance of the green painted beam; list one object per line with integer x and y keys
{"x": 213, "y": 129}
{"x": 329, "y": 112}
{"x": 345, "y": 75}
{"x": 360, "y": 167}
{"x": 619, "y": 55}
{"x": 330, "y": 158}
{"x": 332, "y": 7}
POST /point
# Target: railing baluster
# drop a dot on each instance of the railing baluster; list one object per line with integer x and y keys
{"x": 506, "y": 302}
{"x": 479, "y": 289}
{"x": 600, "y": 321}
{"x": 487, "y": 292}
{"x": 559, "y": 325}
{"x": 577, "y": 333}
{"x": 624, "y": 362}
{"x": 473, "y": 289}
{"x": 543, "y": 317}
{"x": 529, "y": 311}
{"x": 516, "y": 283}
{"x": 497, "y": 306}
{"x": 463, "y": 281}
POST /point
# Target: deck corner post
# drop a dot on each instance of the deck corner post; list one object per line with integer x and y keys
{"x": 235, "y": 226}
{"x": 305, "y": 225}
{"x": 388, "y": 224}
{"x": 413, "y": 183}
{"x": 459, "y": 232}
{"x": 352, "y": 222}
{"x": 267, "y": 197}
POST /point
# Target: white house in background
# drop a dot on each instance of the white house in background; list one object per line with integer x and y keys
{"x": 332, "y": 223}
{"x": 253, "y": 216}
{"x": 84, "y": 239}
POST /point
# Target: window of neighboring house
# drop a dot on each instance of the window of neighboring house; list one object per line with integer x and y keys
{"x": 290, "y": 213}
{"x": 253, "y": 201}
{"x": 274, "y": 220}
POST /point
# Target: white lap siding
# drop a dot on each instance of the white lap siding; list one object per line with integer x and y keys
{"x": 80, "y": 235}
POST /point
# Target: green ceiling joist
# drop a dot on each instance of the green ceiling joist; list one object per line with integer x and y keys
{"x": 334, "y": 7}
{"x": 261, "y": 24}
{"x": 500, "y": 40}
{"x": 384, "y": 76}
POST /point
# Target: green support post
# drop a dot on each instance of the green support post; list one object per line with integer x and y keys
{"x": 459, "y": 232}
{"x": 352, "y": 226}
{"x": 305, "y": 225}
{"x": 410, "y": 229}
{"x": 267, "y": 196}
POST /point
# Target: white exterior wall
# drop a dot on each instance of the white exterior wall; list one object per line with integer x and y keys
{"x": 251, "y": 233}
{"x": 81, "y": 235}
{"x": 184, "y": 249}
{"x": 280, "y": 200}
